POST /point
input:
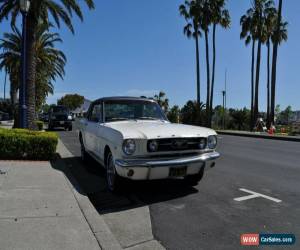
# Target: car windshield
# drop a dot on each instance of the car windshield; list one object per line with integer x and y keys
{"x": 132, "y": 110}
{"x": 60, "y": 110}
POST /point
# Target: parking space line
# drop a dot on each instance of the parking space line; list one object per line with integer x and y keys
{"x": 255, "y": 195}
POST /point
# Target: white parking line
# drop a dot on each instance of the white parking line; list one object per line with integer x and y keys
{"x": 254, "y": 195}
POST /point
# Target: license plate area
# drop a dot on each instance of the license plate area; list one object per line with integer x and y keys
{"x": 61, "y": 122}
{"x": 178, "y": 171}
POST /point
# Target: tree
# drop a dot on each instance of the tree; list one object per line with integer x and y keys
{"x": 286, "y": 114}
{"x": 220, "y": 16}
{"x": 174, "y": 114}
{"x": 40, "y": 11}
{"x": 205, "y": 22}
{"x": 280, "y": 35}
{"x": 162, "y": 100}
{"x": 253, "y": 26}
{"x": 51, "y": 62}
{"x": 71, "y": 101}
{"x": 249, "y": 34}
{"x": 190, "y": 113}
{"x": 239, "y": 117}
{"x": 190, "y": 11}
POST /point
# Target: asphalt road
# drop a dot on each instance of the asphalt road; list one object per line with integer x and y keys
{"x": 207, "y": 216}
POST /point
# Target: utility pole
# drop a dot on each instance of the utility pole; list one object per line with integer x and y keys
{"x": 224, "y": 93}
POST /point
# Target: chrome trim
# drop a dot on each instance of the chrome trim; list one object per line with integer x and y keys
{"x": 159, "y": 163}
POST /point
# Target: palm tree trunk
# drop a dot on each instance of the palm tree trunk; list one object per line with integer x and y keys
{"x": 31, "y": 70}
{"x": 268, "y": 84}
{"x": 213, "y": 72}
{"x": 13, "y": 100}
{"x": 257, "y": 80}
{"x": 207, "y": 80}
{"x": 198, "y": 69}
{"x": 274, "y": 66}
{"x": 252, "y": 86}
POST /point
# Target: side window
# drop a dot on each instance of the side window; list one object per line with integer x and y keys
{"x": 96, "y": 113}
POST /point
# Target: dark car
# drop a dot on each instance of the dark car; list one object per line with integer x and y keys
{"x": 59, "y": 116}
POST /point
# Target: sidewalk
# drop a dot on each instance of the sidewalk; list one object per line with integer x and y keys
{"x": 38, "y": 209}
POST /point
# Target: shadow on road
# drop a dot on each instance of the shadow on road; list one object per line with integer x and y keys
{"x": 89, "y": 179}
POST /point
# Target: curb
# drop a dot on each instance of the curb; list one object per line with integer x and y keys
{"x": 99, "y": 228}
{"x": 270, "y": 137}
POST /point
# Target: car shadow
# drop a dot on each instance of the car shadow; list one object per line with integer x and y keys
{"x": 89, "y": 179}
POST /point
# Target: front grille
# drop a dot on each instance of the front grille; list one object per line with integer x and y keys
{"x": 177, "y": 144}
{"x": 61, "y": 117}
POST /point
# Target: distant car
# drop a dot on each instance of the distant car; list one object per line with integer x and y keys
{"x": 4, "y": 116}
{"x": 132, "y": 138}
{"x": 59, "y": 116}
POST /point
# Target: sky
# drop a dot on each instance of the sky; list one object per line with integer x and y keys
{"x": 137, "y": 47}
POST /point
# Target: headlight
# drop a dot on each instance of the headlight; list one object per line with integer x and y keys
{"x": 202, "y": 143}
{"x": 69, "y": 117}
{"x": 129, "y": 146}
{"x": 152, "y": 146}
{"x": 212, "y": 142}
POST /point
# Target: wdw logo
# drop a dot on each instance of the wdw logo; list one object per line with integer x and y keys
{"x": 267, "y": 239}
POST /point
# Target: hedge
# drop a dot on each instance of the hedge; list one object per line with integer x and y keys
{"x": 22, "y": 144}
{"x": 40, "y": 125}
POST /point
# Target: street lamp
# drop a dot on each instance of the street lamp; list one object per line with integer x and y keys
{"x": 24, "y": 7}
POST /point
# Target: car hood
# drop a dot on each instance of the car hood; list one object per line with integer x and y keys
{"x": 158, "y": 129}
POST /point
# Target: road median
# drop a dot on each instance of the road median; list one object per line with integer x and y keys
{"x": 259, "y": 135}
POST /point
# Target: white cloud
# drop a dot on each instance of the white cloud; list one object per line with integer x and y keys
{"x": 138, "y": 92}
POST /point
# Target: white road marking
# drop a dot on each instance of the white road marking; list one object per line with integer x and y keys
{"x": 255, "y": 195}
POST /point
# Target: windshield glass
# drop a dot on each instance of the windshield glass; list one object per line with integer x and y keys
{"x": 60, "y": 109}
{"x": 132, "y": 110}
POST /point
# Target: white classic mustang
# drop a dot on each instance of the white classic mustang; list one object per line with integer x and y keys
{"x": 132, "y": 138}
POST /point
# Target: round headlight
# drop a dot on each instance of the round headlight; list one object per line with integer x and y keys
{"x": 152, "y": 146}
{"x": 202, "y": 143}
{"x": 69, "y": 117}
{"x": 212, "y": 141}
{"x": 129, "y": 146}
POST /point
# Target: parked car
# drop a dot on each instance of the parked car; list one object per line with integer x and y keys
{"x": 4, "y": 116}
{"x": 132, "y": 138}
{"x": 59, "y": 116}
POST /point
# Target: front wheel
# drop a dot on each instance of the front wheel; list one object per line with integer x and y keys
{"x": 112, "y": 177}
{"x": 84, "y": 154}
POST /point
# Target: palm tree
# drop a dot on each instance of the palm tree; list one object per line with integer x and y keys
{"x": 190, "y": 11}
{"x": 40, "y": 11}
{"x": 280, "y": 34}
{"x": 205, "y": 22}
{"x": 249, "y": 34}
{"x": 162, "y": 100}
{"x": 220, "y": 16}
{"x": 50, "y": 60}
{"x": 10, "y": 62}
{"x": 270, "y": 21}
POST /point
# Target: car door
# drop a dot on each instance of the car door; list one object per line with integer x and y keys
{"x": 93, "y": 127}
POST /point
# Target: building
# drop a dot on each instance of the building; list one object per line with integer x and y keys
{"x": 82, "y": 109}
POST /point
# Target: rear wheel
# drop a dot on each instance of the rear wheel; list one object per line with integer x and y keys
{"x": 83, "y": 153}
{"x": 112, "y": 177}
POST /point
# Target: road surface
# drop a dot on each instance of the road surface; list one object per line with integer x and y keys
{"x": 208, "y": 216}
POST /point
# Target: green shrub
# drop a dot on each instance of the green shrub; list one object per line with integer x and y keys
{"x": 18, "y": 144}
{"x": 40, "y": 125}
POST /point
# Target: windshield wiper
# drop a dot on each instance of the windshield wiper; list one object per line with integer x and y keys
{"x": 120, "y": 119}
{"x": 147, "y": 118}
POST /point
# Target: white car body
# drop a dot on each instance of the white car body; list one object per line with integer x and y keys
{"x": 99, "y": 137}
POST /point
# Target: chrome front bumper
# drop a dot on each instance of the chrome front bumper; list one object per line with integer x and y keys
{"x": 163, "y": 163}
